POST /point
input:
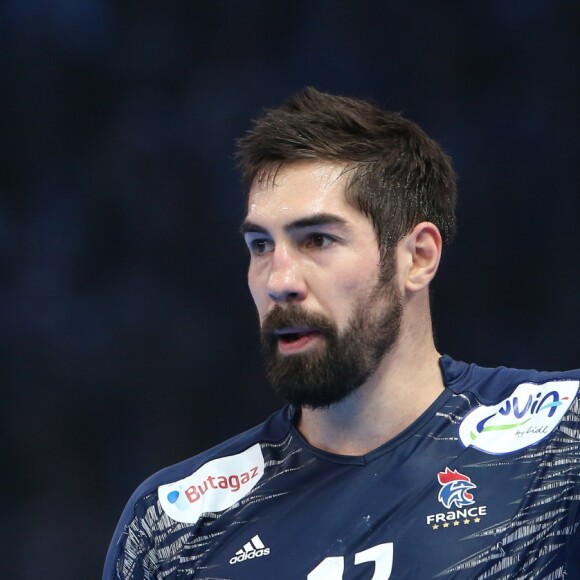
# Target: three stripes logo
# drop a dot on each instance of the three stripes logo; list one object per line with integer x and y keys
{"x": 253, "y": 549}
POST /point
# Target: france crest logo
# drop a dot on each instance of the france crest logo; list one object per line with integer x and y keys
{"x": 455, "y": 488}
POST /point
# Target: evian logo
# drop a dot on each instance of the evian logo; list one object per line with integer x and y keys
{"x": 529, "y": 415}
{"x": 214, "y": 487}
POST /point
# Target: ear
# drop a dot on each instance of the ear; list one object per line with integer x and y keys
{"x": 421, "y": 250}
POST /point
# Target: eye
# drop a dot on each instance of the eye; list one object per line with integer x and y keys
{"x": 259, "y": 246}
{"x": 319, "y": 241}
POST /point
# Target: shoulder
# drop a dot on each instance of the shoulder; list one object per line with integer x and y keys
{"x": 240, "y": 458}
{"x": 492, "y": 385}
{"x": 508, "y": 410}
{"x": 274, "y": 428}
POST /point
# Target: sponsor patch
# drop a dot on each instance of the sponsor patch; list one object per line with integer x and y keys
{"x": 214, "y": 487}
{"x": 526, "y": 417}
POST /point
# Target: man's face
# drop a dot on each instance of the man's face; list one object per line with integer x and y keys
{"x": 329, "y": 310}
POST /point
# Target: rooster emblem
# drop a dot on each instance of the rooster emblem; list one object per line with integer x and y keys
{"x": 455, "y": 488}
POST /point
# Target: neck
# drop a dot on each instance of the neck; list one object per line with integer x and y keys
{"x": 407, "y": 381}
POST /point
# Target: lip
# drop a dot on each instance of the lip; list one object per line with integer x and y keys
{"x": 293, "y": 330}
{"x": 306, "y": 337}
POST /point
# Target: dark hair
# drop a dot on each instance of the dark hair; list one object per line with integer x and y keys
{"x": 397, "y": 175}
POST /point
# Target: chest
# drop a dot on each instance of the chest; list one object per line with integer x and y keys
{"x": 405, "y": 515}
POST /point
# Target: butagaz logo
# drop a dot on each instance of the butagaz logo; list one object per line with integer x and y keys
{"x": 456, "y": 493}
{"x": 214, "y": 487}
{"x": 454, "y": 488}
{"x": 253, "y": 549}
{"x": 529, "y": 415}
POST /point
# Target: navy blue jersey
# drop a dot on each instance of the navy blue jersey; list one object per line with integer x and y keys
{"x": 485, "y": 484}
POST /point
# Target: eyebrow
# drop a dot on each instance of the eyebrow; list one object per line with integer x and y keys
{"x": 319, "y": 219}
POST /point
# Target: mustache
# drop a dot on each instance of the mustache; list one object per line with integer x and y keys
{"x": 295, "y": 316}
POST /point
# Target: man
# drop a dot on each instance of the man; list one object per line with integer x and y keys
{"x": 389, "y": 460}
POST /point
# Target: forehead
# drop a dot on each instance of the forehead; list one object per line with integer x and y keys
{"x": 300, "y": 189}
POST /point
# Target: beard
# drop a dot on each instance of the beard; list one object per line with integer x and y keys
{"x": 326, "y": 374}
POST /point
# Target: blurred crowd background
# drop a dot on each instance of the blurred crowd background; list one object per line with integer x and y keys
{"x": 128, "y": 335}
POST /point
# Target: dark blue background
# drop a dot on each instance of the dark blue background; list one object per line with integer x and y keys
{"x": 129, "y": 338}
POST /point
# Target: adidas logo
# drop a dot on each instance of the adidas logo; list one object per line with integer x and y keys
{"x": 253, "y": 549}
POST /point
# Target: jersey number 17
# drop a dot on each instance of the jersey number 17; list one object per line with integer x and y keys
{"x": 332, "y": 568}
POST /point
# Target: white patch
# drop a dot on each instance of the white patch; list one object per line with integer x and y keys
{"x": 526, "y": 417}
{"x": 214, "y": 487}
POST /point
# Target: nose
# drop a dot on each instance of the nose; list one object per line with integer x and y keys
{"x": 285, "y": 279}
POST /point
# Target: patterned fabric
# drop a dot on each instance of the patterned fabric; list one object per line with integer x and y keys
{"x": 484, "y": 485}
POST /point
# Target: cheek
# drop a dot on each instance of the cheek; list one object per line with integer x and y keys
{"x": 256, "y": 291}
{"x": 361, "y": 281}
{"x": 348, "y": 292}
